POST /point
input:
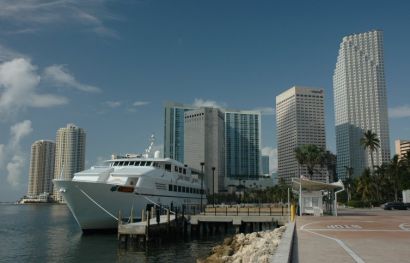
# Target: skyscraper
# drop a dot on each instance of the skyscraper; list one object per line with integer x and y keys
{"x": 300, "y": 120}
{"x": 360, "y": 101}
{"x": 174, "y": 130}
{"x": 204, "y": 142}
{"x": 70, "y": 153}
{"x": 243, "y": 144}
{"x": 41, "y": 168}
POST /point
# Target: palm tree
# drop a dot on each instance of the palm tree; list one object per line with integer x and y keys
{"x": 310, "y": 155}
{"x": 370, "y": 142}
{"x": 366, "y": 186}
{"x": 348, "y": 182}
{"x": 394, "y": 170}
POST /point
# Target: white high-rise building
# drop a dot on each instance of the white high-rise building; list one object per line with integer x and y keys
{"x": 360, "y": 101}
{"x": 41, "y": 168}
{"x": 70, "y": 153}
{"x": 300, "y": 120}
{"x": 204, "y": 142}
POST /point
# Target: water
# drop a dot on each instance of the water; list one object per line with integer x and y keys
{"x": 49, "y": 233}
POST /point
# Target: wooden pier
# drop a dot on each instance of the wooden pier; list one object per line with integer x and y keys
{"x": 214, "y": 219}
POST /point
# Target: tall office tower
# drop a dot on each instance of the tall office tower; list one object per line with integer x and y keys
{"x": 243, "y": 144}
{"x": 360, "y": 101}
{"x": 41, "y": 168}
{"x": 265, "y": 164}
{"x": 174, "y": 130}
{"x": 300, "y": 120}
{"x": 402, "y": 147}
{"x": 70, "y": 154}
{"x": 204, "y": 142}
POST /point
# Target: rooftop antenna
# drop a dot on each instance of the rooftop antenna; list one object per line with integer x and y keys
{"x": 149, "y": 149}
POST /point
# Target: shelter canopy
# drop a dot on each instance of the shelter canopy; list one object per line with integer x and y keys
{"x": 311, "y": 185}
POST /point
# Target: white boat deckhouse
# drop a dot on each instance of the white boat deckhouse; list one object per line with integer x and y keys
{"x": 316, "y": 198}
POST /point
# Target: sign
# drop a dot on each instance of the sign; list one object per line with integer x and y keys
{"x": 344, "y": 227}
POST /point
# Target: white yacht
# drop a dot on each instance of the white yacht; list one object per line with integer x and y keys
{"x": 95, "y": 196}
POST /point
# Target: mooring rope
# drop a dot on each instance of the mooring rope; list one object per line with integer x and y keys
{"x": 97, "y": 204}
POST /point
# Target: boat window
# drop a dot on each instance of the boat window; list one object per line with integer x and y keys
{"x": 148, "y": 163}
{"x": 142, "y": 163}
{"x": 121, "y": 164}
{"x": 167, "y": 167}
{"x": 132, "y": 163}
{"x": 115, "y": 163}
{"x": 176, "y": 168}
{"x": 183, "y": 189}
{"x": 137, "y": 163}
{"x": 175, "y": 188}
{"x": 179, "y": 188}
{"x": 180, "y": 169}
{"x": 170, "y": 187}
{"x": 126, "y": 163}
{"x": 184, "y": 171}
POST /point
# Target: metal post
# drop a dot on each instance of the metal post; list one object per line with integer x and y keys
{"x": 288, "y": 201}
{"x": 202, "y": 182}
{"x": 213, "y": 185}
{"x": 300, "y": 196}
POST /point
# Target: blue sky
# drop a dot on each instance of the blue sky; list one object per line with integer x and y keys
{"x": 109, "y": 66}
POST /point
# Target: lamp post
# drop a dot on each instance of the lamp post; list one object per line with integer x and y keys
{"x": 213, "y": 185}
{"x": 202, "y": 182}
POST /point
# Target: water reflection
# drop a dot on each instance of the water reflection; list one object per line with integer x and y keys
{"x": 49, "y": 233}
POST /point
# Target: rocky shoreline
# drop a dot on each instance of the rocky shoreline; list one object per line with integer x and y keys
{"x": 244, "y": 248}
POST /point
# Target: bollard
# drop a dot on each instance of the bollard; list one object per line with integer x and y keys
{"x": 158, "y": 215}
{"x": 143, "y": 215}
{"x": 168, "y": 217}
{"x": 152, "y": 212}
{"x": 292, "y": 213}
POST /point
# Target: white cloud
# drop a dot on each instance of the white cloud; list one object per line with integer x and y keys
{"x": 273, "y": 158}
{"x": 208, "y": 103}
{"x": 113, "y": 104}
{"x": 400, "y": 111}
{"x": 266, "y": 110}
{"x": 12, "y": 156}
{"x": 18, "y": 86}
{"x": 27, "y": 16}
{"x": 140, "y": 103}
{"x": 15, "y": 170}
{"x": 19, "y": 131}
{"x": 59, "y": 76}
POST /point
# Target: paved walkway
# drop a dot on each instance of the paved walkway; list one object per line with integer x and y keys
{"x": 366, "y": 235}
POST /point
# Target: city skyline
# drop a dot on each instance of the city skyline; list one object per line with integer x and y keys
{"x": 140, "y": 55}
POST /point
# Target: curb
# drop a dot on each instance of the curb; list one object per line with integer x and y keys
{"x": 284, "y": 251}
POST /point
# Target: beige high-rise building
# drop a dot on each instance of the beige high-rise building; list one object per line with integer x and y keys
{"x": 300, "y": 120}
{"x": 41, "y": 168}
{"x": 70, "y": 153}
{"x": 204, "y": 142}
{"x": 402, "y": 147}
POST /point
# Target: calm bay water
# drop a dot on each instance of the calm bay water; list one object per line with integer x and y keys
{"x": 49, "y": 233}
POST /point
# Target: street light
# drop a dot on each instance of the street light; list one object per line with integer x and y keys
{"x": 202, "y": 181}
{"x": 213, "y": 185}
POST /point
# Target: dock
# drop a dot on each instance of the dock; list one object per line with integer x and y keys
{"x": 154, "y": 226}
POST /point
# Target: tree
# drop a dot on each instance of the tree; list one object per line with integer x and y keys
{"x": 395, "y": 169}
{"x": 370, "y": 142}
{"x": 348, "y": 182}
{"x": 311, "y": 156}
{"x": 366, "y": 186}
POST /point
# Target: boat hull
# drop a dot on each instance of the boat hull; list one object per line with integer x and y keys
{"x": 95, "y": 206}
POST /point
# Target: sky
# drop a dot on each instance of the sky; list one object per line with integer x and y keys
{"x": 109, "y": 66}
